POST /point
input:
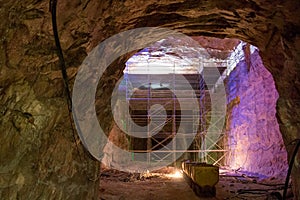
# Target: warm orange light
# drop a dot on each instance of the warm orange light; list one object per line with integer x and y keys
{"x": 176, "y": 174}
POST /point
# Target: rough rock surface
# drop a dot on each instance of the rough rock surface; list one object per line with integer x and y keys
{"x": 111, "y": 159}
{"x": 255, "y": 142}
{"x": 38, "y": 157}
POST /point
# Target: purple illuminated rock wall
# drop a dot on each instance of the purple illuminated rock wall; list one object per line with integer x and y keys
{"x": 255, "y": 141}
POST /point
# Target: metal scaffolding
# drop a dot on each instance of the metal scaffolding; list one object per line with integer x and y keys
{"x": 144, "y": 90}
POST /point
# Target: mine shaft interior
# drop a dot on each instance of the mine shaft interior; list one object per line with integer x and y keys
{"x": 238, "y": 145}
{"x": 150, "y": 100}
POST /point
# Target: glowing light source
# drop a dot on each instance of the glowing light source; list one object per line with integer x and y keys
{"x": 176, "y": 174}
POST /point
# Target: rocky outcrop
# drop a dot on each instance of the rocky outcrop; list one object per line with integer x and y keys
{"x": 37, "y": 149}
{"x": 112, "y": 159}
{"x": 255, "y": 142}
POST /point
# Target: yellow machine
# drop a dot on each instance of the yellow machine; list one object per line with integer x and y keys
{"x": 201, "y": 177}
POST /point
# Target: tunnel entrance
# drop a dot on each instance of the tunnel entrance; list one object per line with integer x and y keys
{"x": 248, "y": 142}
{"x": 250, "y": 130}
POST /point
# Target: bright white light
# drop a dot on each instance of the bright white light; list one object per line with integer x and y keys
{"x": 176, "y": 174}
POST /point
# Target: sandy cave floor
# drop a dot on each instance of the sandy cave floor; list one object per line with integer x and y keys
{"x": 116, "y": 185}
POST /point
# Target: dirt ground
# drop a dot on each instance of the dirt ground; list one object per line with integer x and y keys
{"x": 116, "y": 185}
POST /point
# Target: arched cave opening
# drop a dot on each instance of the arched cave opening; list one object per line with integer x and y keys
{"x": 246, "y": 144}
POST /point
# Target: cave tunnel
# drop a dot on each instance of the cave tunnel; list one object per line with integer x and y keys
{"x": 253, "y": 45}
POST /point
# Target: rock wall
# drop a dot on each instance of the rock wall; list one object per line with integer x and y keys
{"x": 112, "y": 159}
{"x": 282, "y": 59}
{"x": 255, "y": 142}
{"x": 38, "y": 156}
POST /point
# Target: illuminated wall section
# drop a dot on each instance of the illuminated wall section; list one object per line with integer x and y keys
{"x": 255, "y": 141}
